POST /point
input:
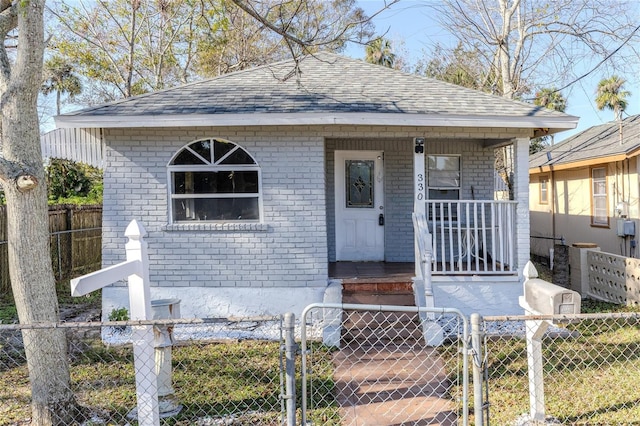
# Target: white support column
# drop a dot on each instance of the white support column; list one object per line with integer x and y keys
{"x": 419, "y": 192}
{"x": 422, "y": 285}
{"x": 521, "y": 193}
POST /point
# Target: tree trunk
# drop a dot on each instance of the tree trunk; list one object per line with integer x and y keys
{"x": 30, "y": 269}
{"x": 34, "y": 293}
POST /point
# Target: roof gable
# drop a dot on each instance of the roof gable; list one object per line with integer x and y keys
{"x": 327, "y": 88}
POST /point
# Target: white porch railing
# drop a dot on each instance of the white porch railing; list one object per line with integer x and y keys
{"x": 471, "y": 237}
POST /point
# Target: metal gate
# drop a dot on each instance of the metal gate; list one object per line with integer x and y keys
{"x": 388, "y": 365}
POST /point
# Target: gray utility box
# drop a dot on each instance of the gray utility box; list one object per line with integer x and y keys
{"x": 544, "y": 298}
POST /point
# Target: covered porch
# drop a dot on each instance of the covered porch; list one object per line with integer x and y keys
{"x": 470, "y": 237}
{"x": 474, "y": 242}
{"x": 466, "y": 237}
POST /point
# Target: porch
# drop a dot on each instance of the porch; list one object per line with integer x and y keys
{"x": 469, "y": 237}
{"x": 460, "y": 237}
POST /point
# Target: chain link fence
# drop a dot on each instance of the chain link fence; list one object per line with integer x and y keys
{"x": 590, "y": 370}
{"x": 356, "y": 365}
{"x": 395, "y": 366}
{"x": 225, "y": 372}
{"x": 218, "y": 376}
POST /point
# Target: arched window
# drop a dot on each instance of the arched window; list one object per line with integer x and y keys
{"x": 214, "y": 180}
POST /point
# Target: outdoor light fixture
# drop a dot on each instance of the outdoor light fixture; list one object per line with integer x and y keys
{"x": 419, "y": 145}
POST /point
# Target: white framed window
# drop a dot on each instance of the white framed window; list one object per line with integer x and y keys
{"x": 543, "y": 195}
{"x": 599, "y": 213}
{"x": 214, "y": 180}
{"x": 443, "y": 179}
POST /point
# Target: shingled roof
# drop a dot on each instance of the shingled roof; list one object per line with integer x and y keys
{"x": 607, "y": 142}
{"x": 326, "y": 89}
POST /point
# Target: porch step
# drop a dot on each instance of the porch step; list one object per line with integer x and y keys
{"x": 373, "y": 327}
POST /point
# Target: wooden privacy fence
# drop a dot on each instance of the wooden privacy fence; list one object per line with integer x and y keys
{"x": 76, "y": 241}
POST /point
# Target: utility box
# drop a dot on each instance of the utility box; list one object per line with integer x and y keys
{"x": 625, "y": 228}
{"x": 544, "y": 298}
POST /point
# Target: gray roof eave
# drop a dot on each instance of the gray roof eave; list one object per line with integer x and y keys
{"x": 549, "y": 124}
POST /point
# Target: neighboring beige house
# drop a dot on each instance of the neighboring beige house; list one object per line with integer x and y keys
{"x": 585, "y": 190}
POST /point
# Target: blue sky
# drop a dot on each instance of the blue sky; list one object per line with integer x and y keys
{"x": 409, "y": 26}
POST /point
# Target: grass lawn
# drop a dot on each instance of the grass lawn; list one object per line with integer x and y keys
{"x": 590, "y": 377}
{"x": 236, "y": 382}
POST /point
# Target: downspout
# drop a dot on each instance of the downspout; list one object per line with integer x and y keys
{"x": 628, "y": 182}
{"x": 552, "y": 186}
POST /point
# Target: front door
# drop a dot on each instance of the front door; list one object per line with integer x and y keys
{"x": 359, "y": 205}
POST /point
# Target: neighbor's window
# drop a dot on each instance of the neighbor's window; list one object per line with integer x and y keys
{"x": 214, "y": 180}
{"x": 544, "y": 190}
{"x": 599, "y": 215}
{"x": 443, "y": 183}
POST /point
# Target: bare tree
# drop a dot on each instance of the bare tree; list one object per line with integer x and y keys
{"x": 127, "y": 48}
{"x": 309, "y": 25}
{"x": 523, "y": 42}
{"x": 23, "y": 180}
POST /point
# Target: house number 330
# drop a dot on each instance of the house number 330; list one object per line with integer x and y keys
{"x": 419, "y": 187}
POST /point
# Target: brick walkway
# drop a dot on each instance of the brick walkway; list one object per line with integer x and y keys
{"x": 393, "y": 386}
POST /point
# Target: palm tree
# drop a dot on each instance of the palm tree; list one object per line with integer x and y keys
{"x": 550, "y": 98}
{"x": 610, "y": 95}
{"x": 59, "y": 78}
{"x": 380, "y": 52}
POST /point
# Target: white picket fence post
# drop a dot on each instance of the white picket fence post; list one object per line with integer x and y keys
{"x": 136, "y": 270}
{"x": 541, "y": 298}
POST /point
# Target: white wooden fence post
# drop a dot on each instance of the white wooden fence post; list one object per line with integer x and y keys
{"x": 142, "y": 336}
{"x": 542, "y": 298}
{"x": 534, "y": 332}
{"x": 136, "y": 270}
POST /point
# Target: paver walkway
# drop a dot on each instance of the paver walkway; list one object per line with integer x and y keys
{"x": 392, "y": 386}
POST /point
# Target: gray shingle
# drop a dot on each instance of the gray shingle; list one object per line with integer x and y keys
{"x": 595, "y": 142}
{"x": 327, "y": 83}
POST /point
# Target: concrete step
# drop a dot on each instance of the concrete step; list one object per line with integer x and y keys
{"x": 371, "y": 327}
{"x": 379, "y": 299}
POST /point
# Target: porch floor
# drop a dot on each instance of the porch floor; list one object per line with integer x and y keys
{"x": 391, "y": 271}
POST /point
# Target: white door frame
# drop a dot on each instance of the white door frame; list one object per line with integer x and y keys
{"x": 359, "y": 230}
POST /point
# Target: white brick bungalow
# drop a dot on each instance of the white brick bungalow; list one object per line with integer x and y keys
{"x": 251, "y": 184}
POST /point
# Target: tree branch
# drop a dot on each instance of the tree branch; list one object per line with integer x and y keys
{"x": 314, "y": 41}
{"x": 8, "y": 22}
{"x": 18, "y": 175}
{"x": 264, "y": 21}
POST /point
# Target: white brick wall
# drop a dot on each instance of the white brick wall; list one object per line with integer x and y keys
{"x": 291, "y": 251}
{"x": 291, "y": 248}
